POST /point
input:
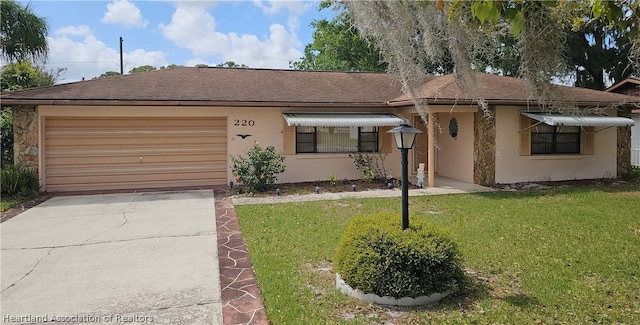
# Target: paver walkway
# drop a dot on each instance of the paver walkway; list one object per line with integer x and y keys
{"x": 241, "y": 299}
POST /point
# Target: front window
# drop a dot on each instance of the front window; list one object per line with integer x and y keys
{"x": 547, "y": 139}
{"x": 322, "y": 139}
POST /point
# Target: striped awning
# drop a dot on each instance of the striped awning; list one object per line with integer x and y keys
{"x": 342, "y": 120}
{"x": 579, "y": 120}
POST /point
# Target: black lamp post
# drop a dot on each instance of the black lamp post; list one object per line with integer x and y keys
{"x": 405, "y": 135}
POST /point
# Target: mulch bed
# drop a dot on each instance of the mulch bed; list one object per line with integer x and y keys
{"x": 323, "y": 186}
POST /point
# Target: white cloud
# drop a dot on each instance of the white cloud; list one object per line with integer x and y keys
{"x": 293, "y": 22}
{"x": 82, "y": 30}
{"x": 271, "y": 7}
{"x": 194, "y": 28}
{"x": 84, "y": 56}
{"x": 125, "y": 13}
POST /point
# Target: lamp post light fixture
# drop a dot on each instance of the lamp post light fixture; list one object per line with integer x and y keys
{"x": 405, "y": 136}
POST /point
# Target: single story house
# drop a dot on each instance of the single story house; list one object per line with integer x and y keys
{"x": 180, "y": 127}
{"x": 631, "y": 86}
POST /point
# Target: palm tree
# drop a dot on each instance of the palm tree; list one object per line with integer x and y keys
{"x": 23, "y": 35}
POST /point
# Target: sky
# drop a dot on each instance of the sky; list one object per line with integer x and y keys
{"x": 84, "y": 35}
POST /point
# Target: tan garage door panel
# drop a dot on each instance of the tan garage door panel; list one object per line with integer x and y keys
{"x": 119, "y": 153}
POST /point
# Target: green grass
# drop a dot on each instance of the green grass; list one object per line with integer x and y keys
{"x": 8, "y": 202}
{"x": 562, "y": 255}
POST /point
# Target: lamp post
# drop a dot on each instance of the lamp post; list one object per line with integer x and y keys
{"x": 405, "y": 135}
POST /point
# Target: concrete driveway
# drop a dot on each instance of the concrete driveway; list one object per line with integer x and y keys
{"x": 115, "y": 258}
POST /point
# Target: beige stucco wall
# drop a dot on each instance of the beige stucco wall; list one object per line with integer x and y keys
{"x": 511, "y": 167}
{"x": 266, "y": 127}
{"x": 455, "y": 156}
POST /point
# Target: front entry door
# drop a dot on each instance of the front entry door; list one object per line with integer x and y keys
{"x": 421, "y": 146}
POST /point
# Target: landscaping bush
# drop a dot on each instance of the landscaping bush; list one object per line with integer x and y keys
{"x": 370, "y": 165}
{"x": 6, "y": 134}
{"x": 376, "y": 256}
{"x": 259, "y": 169}
{"x": 19, "y": 181}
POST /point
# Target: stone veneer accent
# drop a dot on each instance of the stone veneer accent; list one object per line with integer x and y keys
{"x": 484, "y": 148}
{"x": 624, "y": 145}
{"x": 25, "y": 136}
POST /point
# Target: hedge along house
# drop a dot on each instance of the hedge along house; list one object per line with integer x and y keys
{"x": 180, "y": 127}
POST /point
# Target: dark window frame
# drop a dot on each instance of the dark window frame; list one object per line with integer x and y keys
{"x": 376, "y": 142}
{"x": 555, "y": 143}
{"x": 360, "y": 140}
{"x": 315, "y": 140}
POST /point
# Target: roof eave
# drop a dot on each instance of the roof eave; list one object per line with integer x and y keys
{"x": 111, "y": 102}
{"x": 623, "y": 83}
{"x": 515, "y": 102}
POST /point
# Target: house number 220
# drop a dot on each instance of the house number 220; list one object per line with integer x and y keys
{"x": 244, "y": 122}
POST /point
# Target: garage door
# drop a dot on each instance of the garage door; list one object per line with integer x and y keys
{"x": 129, "y": 153}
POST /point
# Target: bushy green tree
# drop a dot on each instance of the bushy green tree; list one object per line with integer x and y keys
{"x": 337, "y": 46}
{"x": 23, "y": 35}
{"x": 259, "y": 168}
{"x": 24, "y": 74}
{"x": 171, "y": 66}
{"x": 6, "y": 134}
{"x": 597, "y": 52}
{"x": 143, "y": 68}
{"x": 231, "y": 64}
{"x": 15, "y": 76}
{"x": 108, "y": 74}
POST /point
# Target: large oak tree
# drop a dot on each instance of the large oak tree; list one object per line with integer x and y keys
{"x": 409, "y": 33}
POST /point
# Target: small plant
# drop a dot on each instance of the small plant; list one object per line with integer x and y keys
{"x": 259, "y": 168}
{"x": 333, "y": 180}
{"x": 19, "y": 181}
{"x": 370, "y": 165}
{"x": 6, "y": 129}
{"x": 376, "y": 256}
{"x": 367, "y": 174}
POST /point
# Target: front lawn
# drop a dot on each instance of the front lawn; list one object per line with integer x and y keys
{"x": 562, "y": 255}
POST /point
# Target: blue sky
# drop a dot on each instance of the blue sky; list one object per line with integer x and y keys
{"x": 84, "y": 35}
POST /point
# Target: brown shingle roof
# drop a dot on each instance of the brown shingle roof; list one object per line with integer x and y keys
{"x": 629, "y": 86}
{"x": 263, "y": 87}
{"x": 223, "y": 85}
{"x": 507, "y": 90}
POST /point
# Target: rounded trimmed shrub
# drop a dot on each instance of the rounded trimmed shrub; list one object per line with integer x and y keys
{"x": 376, "y": 256}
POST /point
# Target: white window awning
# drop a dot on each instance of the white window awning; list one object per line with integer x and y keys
{"x": 579, "y": 120}
{"x": 342, "y": 120}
